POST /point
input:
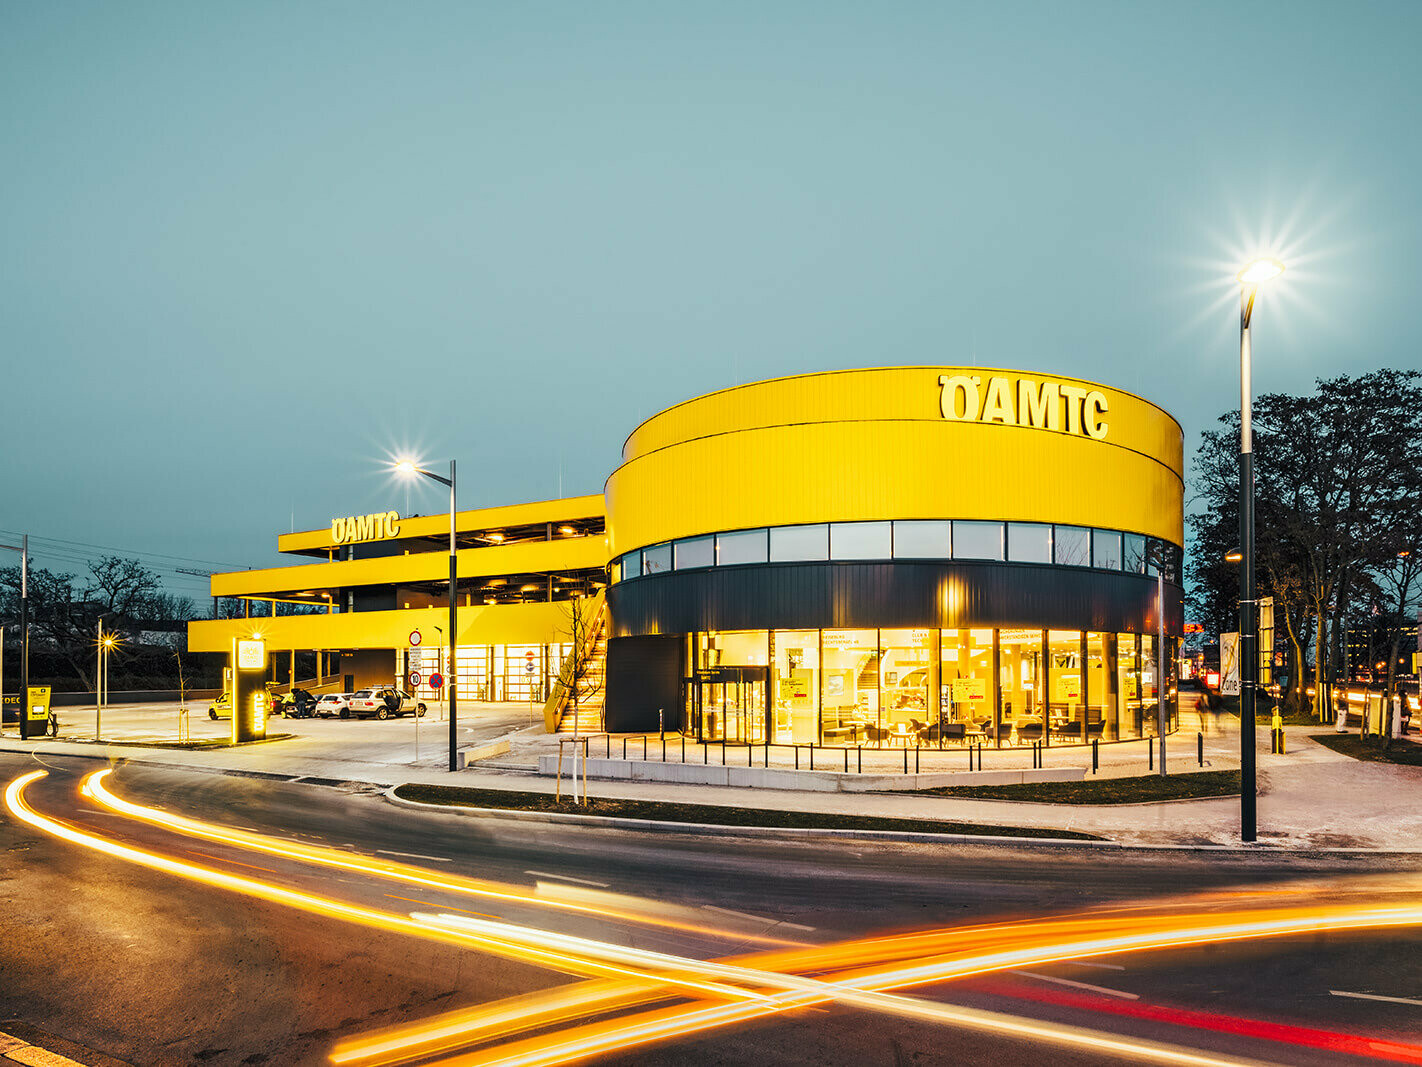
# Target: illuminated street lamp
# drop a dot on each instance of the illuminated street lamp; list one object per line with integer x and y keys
{"x": 1250, "y": 278}
{"x": 408, "y": 467}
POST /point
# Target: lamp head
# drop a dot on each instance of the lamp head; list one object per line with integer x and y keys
{"x": 406, "y": 467}
{"x": 1234, "y": 555}
{"x": 1260, "y": 271}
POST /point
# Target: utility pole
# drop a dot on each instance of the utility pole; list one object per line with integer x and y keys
{"x": 23, "y": 548}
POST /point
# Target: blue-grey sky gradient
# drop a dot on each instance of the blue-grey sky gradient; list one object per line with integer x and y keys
{"x": 251, "y": 250}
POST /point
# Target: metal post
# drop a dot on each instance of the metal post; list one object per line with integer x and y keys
{"x": 1248, "y": 653}
{"x": 1200, "y": 749}
{"x": 25, "y": 637}
{"x": 98, "y": 676}
{"x": 1160, "y": 659}
{"x": 1095, "y": 756}
{"x": 453, "y": 680}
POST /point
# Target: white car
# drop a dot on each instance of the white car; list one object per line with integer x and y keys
{"x": 334, "y": 704}
{"x": 383, "y": 702}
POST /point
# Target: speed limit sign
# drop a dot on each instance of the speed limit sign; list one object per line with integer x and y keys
{"x": 415, "y": 678}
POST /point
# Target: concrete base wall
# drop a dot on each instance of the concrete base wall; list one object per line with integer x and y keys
{"x": 819, "y": 781}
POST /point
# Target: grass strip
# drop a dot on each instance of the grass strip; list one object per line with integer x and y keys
{"x": 712, "y": 814}
{"x": 1137, "y": 790}
{"x": 1402, "y": 753}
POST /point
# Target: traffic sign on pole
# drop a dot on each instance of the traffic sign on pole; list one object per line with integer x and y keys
{"x": 415, "y": 679}
{"x": 415, "y": 637}
{"x": 436, "y": 681}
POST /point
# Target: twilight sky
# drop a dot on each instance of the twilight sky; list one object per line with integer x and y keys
{"x": 250, "y": 250}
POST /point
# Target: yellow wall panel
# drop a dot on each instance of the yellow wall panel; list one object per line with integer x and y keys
{"x": 562, "y": 510}
{"x": 885, "y": 394}
{"x": 570, "y": 553}
{"x": 848, "y": 471}
{"x": 499, "y": 624}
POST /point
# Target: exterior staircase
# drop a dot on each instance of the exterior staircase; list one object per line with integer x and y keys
{"x": 590, "y": 652}
{"x": 591, "y": 688}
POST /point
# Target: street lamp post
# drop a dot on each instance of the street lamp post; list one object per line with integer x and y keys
{"x": 407, "y": 467}
{"x": 1250, "y": 278}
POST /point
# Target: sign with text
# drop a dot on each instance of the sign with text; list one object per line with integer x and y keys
{"x": 1229, "y": 665}
{"x": 251, "y": 655}
{"x": 968, "y": 690}
{"x": 1045, "y": 405}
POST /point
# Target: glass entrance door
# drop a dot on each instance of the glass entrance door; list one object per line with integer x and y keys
{"x": 729, "y": 704}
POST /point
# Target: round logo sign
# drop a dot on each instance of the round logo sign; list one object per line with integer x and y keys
{"x": 415, "y": 678}
{"x": 415, "y": 637}
{"x": 529, "y": 667}
{"x": 436, "y": 681}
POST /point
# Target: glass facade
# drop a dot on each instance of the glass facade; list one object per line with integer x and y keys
{"x": 940, "y": 539}
{"x": 926, "y": 687}
{"x": 488, "y": 672}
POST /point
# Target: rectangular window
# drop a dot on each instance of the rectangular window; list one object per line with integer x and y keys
{"x": 914, "y": 539}
{"x": 1029, "y": 542}
{"x": 694, "y": 552}
{"x": 795, "y": 682}
{"x": 656, "y": 560}
{"x": 849, "y": 686}
{"x": 789, "y": 544}
{"x": 1134, "y": 553}
{"x": 744, "y": 546}
{"x": 977, "y": 540}
{"x": 1072, "y": 546}
{"x": 1106, "y": 549}
{"x": 860, "y": 540}
{"x": 632, "y": 564}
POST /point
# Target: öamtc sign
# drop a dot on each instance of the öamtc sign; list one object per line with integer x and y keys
{"x": 376, "y": 527}
{"x": 1022, "y": 401}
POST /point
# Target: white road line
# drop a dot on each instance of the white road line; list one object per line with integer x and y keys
{"x": 756, "y": 918}
{"x": 566, "y": 878}
{"x": 1099, "y": 966}
{"x": 412, "y": 855}
{"x": 1375, "y": 996}
{"x": 1076, "y": 985}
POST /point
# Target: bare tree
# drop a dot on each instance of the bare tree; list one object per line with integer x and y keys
{"x": 582, "y": 620}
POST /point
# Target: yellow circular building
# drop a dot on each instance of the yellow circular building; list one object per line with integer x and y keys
{"x": 904, "y": 555}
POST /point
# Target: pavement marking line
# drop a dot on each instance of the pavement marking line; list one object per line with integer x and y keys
{"x": 7, "y": 1042}
{"x": 34, "y": 1056}
{"x": 427, "y": 904}
{"x": 1376, "y": 996}
{"x": 1099, "y": 966}
{"x": 740, "y": 914}
{"x": 219, "y": 859}
{"x": 413, "y": 855}
{"x": 569, "y": 878}
{"x": 1076, "y": 985}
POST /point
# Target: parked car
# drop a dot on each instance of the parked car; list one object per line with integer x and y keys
{"x": 383, "y": 702}
{"x": 334, "y": 704}
{"x": 221, "y": 708}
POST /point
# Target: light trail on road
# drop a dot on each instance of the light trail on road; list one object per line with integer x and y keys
{"x": 863, "y": 974}
{"x": 562, "y": 898}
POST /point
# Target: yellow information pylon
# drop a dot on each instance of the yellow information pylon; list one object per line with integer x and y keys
{"x": 1276, "y": 733}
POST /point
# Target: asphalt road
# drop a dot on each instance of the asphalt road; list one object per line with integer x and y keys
{"x": 152, "y": 966}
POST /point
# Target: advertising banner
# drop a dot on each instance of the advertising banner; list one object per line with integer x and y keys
{"x": 1229, "y": 665}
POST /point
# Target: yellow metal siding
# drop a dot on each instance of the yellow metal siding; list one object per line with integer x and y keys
{"x": 479, "y": 625}
{"x": 567, "y": 509}
{"x": 571, "y": 553}
{"x": 888, "y": 394}
{"x": 918, "y": 466}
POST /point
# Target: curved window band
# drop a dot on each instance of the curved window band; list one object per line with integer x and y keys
{"x": 1052, "y": 544}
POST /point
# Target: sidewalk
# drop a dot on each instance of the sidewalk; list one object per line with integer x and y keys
{"x": 1310, "y": 798}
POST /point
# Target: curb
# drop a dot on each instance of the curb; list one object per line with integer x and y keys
{"x": 773, "y": 832}
{"x": 720, "y": 830}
